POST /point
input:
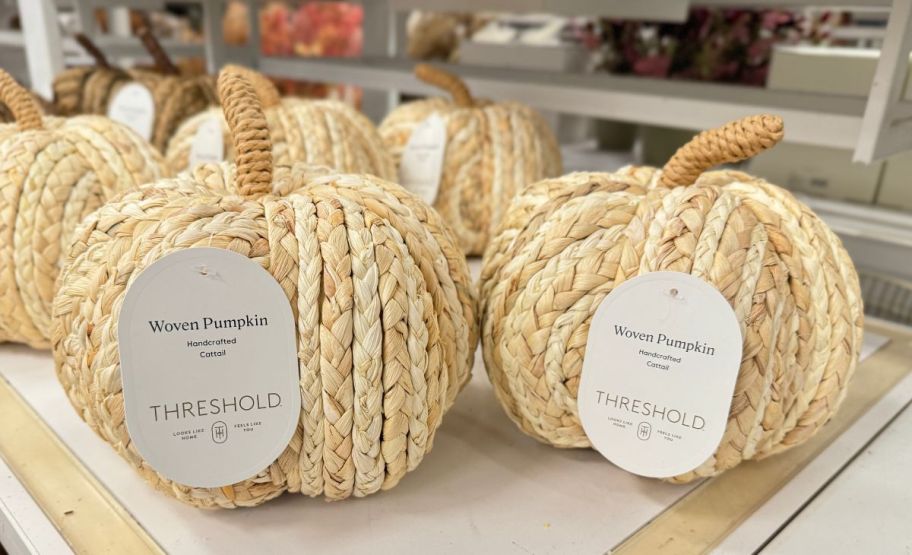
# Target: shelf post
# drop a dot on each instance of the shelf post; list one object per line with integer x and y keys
{"x": 42, "y": 43}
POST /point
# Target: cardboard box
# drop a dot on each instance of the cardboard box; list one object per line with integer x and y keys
{"x": 822, "y": 171}
{"x": 830, "y": 70}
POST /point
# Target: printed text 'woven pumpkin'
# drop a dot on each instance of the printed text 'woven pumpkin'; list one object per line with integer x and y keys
{"x": 492, "y": 151}
{"x": 380, "y": 293}
{"x": 318, "y": 132}
{"x": 53, "y": 171}
{"x": 567, "y": 243}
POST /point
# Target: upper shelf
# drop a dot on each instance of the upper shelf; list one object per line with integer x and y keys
{"x": 681, "y": 104}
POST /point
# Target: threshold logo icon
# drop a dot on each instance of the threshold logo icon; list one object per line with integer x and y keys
{"x": 644, "y": 430}
{"x": 219, "y": 432}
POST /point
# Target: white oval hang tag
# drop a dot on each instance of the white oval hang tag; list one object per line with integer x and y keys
{"x": 209, "y": 365}
{"x": 662, "y": 359}
{"x": 208, "y": 145}
{"x": 421, "y": 165}
{"x": 133, "y": 106}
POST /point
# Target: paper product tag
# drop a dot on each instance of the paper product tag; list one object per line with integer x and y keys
{"x": 208, "y": 145}
{"x": 209, "y": 367}
{"x": 133, "y": 106}
{"x": 422, "y": 160}
{"x": 662, "y": 358}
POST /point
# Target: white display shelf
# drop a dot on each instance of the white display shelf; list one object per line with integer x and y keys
{"x": 485, "y": 488}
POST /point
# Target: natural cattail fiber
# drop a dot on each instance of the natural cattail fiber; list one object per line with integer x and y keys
{"x": 90, "y": 90}
{"x": 566, "y": 243}
{"x": 317, "y": 132}
{"x": 492, "y": 151}
{"x": 381, "y": 295}
{"x": 53, "y": 172}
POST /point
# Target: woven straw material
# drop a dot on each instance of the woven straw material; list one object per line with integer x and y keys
{"x": 492, "y": 150}
{"x": 380, "y": 292}
{"x": 318, "y": 132}
{"x": 566, "y": 243}
{"x": 53, "y": 172}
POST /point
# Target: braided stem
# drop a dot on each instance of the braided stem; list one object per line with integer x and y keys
{"x": 249, "y": 132}
{"x": 735, "y": 141}
{"x": 163, "y": 62}
{"x": 21, "y": 103}
{"x": 265, "y": 89}
{"x": 92, "y": 50}
{"x": 446, "y": 81}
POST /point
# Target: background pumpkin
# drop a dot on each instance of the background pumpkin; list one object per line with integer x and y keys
{"x": 567, "y": 243}
{"x": 321, "y": 132}
{"x": 492, "y": 151}
{"x": 53, "y": 171}
{"x": 176, "y": 97}
{"x": 380, "y": 291}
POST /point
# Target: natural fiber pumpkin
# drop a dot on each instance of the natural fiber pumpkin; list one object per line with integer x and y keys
{"x": 320, "y": 132}
{"x": 90, "y": 90}
{"x": 380, "y": 292}
{"x": 566, "y": 243}
{"x": 492, "y": 151}
{"x": 53, "y": 172}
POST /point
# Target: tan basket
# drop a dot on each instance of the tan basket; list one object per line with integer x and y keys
{"x": 566, "y": 243}
{"x": 380, "y": 291}
{"x": 492, "y": 151}
{"x": 317, "y": 132}
{"x": 53, "y": 172}
{"x": 89, "y": 90}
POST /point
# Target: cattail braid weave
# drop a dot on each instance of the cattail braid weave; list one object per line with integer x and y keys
{"x": 566, "y": 243}
{"x": 380, "y": 292}
{"x": 53, "y": 172}
{"x": 492, "y": 151}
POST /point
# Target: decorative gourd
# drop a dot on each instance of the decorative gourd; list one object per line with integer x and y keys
{"x": 320, "y": 132}
{"x": 492, "y": 151}
{"x": 90, "y": 90}
{"x": 380, "y": 292}
{"x": 566, "y": 243}
{"x": 53, "y": 171}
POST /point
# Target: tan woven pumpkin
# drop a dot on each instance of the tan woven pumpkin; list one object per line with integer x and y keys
{"x": 53, "y": 172}
{"x": 90, "y": 90}
{"x": 380, "y": 292}
{"x": 320, "y": 132}
{"x": 567, "y": 243}
{"x": 493, "y": 149}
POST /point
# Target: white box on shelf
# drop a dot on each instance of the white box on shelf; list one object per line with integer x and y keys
{"x": 896, "y": 184}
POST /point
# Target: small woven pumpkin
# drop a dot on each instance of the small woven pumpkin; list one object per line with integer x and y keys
{"x": 567, "y": 243}
{"x": 53, "y": 172}
{"x": 380, "y": 292}
{"x": 492, "y": 150}
{"x": 90, "y": 90}
{"x": 319, "y": 132}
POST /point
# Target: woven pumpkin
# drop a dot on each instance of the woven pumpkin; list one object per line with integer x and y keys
{"x": 380, "y": 292}
{"x": 492, "y": 150}
{"x": 320, "y": 132}
{"x": 90, "y": 90}
{"x": 567, "y": 243}
{"x": 53, "y": 172}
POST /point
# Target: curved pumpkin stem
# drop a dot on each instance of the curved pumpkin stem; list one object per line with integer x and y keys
{"x": 22, "y": 104}
{"x": 735, "y": 141}
{"x": 162, "y": 61}
{"x": 92, "y": 50}
{"x": 265, "y": 89}
{"x": 249, "y": 132}
{"x": 447, "y": 81}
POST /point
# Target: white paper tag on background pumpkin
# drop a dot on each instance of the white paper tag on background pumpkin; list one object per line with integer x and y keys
{"x": 662, "y": 358}
{"x": 133, "y": 106}
{"x": 421, "y": 165}
{"x": 209, "y": 367}
{"x": 208, "y": 145}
